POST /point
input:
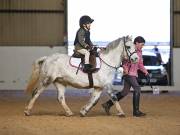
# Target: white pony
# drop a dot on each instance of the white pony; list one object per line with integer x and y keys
{"x": 57, "y": 70}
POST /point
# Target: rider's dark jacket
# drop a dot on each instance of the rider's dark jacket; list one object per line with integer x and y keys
{"x": 82, "y": 39}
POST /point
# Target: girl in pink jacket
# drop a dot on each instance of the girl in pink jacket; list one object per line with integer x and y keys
{"x": 130, "y": 80}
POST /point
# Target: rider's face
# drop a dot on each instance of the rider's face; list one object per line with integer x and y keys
{"x": 87, "y": 26}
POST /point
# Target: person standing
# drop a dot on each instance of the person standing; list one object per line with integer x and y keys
{"x": 158, "y": 54}
{"x": 130, "y": 80}
{"x": 82, "y": 42}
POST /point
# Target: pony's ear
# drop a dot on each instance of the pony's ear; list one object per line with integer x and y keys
{"x": 129, "y": 37}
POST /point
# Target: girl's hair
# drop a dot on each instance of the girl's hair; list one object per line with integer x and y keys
{"x": 139, "y": 39}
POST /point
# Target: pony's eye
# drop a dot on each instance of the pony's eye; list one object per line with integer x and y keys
{"x": 128, "y": 47}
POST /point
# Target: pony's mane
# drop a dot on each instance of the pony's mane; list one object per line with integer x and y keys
{"x": 112, "y": 45}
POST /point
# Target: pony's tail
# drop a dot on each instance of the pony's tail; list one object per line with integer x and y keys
{"x": 32, "y": 84}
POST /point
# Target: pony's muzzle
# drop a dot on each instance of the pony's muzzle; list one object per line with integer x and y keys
{"x": 135, "y": 60}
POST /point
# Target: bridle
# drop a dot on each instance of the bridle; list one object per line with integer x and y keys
{"x": 127, "y": 52}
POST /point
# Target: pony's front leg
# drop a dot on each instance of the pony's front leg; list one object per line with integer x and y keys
{"x": 61, "y": 98}
{"x": 95, "y": 95}
{"x": 113, "y": 97}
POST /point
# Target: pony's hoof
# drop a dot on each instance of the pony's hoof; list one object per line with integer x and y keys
{"x": 82, "y": 113}
{"x": 69, "y": 114}
{"x": 27, "y": 113}
{"x": 121, "y": 115}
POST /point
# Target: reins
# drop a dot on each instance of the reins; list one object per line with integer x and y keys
{"x": 109, "y": 64}
{"x": 103, "y": 60}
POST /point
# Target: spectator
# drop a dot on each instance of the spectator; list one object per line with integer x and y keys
{"x": 158, "y": 54}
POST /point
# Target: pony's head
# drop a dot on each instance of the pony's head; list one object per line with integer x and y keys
{"x": 129, "y": 50}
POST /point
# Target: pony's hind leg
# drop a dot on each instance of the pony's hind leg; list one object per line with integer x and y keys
{"x": 61, "y": 98}
{"x": 31, "y": 102}
{"x": 113, "y": 97}
{"x": 117, "y": 105}
{"x": 92, "y": 102}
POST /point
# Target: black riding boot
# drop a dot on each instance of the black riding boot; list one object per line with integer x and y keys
{"x": 87, "y": 68}
{"x": 107, "y": 105}
{"x": 136, "y": 111}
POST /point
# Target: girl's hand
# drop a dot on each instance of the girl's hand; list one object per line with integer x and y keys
{"x": 125, "y": 71}
{"x": 146, "y": 74}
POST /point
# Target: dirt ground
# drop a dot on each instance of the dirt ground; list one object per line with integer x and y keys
{"x": 163, "y": 115}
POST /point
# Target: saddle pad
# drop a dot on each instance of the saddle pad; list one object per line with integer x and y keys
{"x": 74, "y": 62}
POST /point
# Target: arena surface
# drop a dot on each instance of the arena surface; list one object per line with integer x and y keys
{"x": 163, "y": 115}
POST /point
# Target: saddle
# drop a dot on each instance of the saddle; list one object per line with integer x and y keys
{"x": 92, "y": 61}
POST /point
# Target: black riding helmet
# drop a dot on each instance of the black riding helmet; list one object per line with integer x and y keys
{"x": 85, "y": 20}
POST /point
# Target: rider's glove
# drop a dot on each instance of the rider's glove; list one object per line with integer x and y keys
{"x": 88, "y": 47}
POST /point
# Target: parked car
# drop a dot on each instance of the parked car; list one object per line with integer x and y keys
{"x": 157, "y": 72}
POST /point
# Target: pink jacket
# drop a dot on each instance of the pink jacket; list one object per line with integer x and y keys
{"x": 133, "y": 68}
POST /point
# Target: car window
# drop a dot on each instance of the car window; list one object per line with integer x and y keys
{"x": 150, "y": 60}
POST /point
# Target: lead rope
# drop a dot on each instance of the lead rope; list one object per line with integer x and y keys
{"x": 108, "y": 64}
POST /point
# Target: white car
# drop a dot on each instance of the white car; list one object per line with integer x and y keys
{"x": 157, "y": 71}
